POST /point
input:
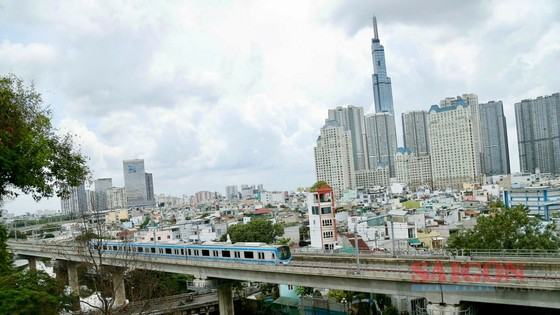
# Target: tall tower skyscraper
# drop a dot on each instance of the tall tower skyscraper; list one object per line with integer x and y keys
{"x": 493, "y": 139}
{"x": 334, "y": 163}
{"x": 538, "y": 133}
{"x": 381, "y": 140}
{"x": 415, "y": 131}
{"x": 382, "y": 90}
{"x": 137, "y": 183}
{"x": 101, "y": 187}
{"x": 351, "y": 118}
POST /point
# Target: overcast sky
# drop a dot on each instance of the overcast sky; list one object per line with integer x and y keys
{"x": 211, "y": 93}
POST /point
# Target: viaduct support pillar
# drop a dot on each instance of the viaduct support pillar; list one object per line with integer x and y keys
{"x": 32, "y": 262}
{"x": 60, "y": 271}
{"x": 118, "y": 286}
{"x": 443, "y": 309}
{"x": 225, "y": 298}
{"x": 73, "y": 277}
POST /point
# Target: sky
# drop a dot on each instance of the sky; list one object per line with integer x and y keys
{"x": 214, "y": 93}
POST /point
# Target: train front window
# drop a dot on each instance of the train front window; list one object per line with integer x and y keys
{"x": 284, "y": 253}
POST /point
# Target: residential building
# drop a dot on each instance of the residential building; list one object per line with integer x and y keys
{"x": 101, "y": 187}
{"x": 538, "y": 134}
{"x": 322, "y": 222}
{"x": 381, "y": 141}
{"x": 202, "y": 197}
{"x": 77, "y": 201}
{"x": 351, "y": 118}
{"x": 493, "y": 137}
{"x": 274, "y": 197}
{"x": 334, "y": 163}
{"x": 116, "y": 198}
{"x": 453, "y": 150}
{"x": 382, "y": 90}
{"x": 415, "y": 131}
{"x": 412, "y": 169}
{"x": 372, "y": 179}
{"x": 232, "y": 193}
{"x": 136, "y": 183}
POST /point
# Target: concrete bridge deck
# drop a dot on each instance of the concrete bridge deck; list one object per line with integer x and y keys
{"x": 447, "y": 281}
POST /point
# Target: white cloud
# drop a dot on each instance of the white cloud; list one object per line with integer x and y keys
{"x": 213, "y": 93}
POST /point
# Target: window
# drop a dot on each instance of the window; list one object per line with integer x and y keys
{"x": 325, "y": 210}
{"x": 205, "y": 252}
{"x": 237, "y": 254}
{"x": 328, "y": 234}
{"x": 153, "y": 250}
{"x": 327, "y": 222}
{"x": 140, "y": 249}
{"x": 182, "y": 252}
{"x": 168, "y": 236}
{"x": 248, "y": 255}
{"x": 226, "y": 253}
{"x": 105, "y": 247}
{"x": 314, "y": 210}
{"x": 168, "y": 251}
{"x": 290, "y": 287}
{"x": 215, "y": 253}
{"x": 161, "y": 250}
{"x": 261, "y": 255}
{"x": 114, "y": 247}
{"x": 151, "y": 238}
{"x": 196, "y": 252}
{"x": 159, "y": 238}
{"x": 189, "y": 252}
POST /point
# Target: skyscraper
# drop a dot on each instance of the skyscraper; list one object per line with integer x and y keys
{"x": 232, "y": 193}
{"x": 136, "y": 183}
{"x": 493, "y": 137}
{"x": 381, "y": 141}
{"x": 351, "y": 118}
{"x": 150, "y": 188}
{"x": 77, "y": 201}
{"x": 334, "y": 163}
{"x": 415, "y": 131}
{"x": 101, "y": 187}
{"x": 538, "y": 133}
{"x": 382, "y": 90}
{"x": 452, "y": 147}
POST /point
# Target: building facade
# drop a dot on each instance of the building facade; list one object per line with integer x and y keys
{"x": 232, "y": 193}
{"x": 322, "y": 220}
{"x": 415, "y": 131}
{"x": 101, "y": 187}
{"x": 150, "y": 188}
{"x": 542, "y": 201}
{"x": 381, "y": 141}
{"x": 372, "y": 179}
{"x": 136, "y": 182}
{"x": 77, "y": 201}
{"x": 538, "y": 134}
{"x": 412, "y": 169}
{"x": 453, "y": 150}
{"x": 494, "y": 152}
{"x": 351, "y": 118}
{"x": 116, "y": 198}
{"x": 334, "y": 163}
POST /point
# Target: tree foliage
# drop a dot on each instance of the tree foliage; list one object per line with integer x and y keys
{"x": 33, "y": 157}
{"x": 304, "y": 291}
{"x": 340, "y": 295}
{"x": 255, "y": 231}
{"x": 507, "y": 228}
{"x": 319, "y": 184}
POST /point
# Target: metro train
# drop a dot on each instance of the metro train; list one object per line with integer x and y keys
{"x": 249, "y": 252}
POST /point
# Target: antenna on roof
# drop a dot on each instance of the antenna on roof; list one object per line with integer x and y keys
{"x": 375, "y": 35}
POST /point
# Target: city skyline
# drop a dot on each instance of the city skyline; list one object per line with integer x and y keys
{"x": 203, "y": 124}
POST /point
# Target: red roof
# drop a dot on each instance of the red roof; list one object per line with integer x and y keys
{"x": 262, "y": 211}
{"x": 361, "y": 243}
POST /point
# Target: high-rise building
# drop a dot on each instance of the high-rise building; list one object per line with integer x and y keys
{"x": 150, "y": 187}
{"x": 453, "y": 151}
{"x": 334, "y": 163}
{"x": 415, "y": 131}
{"x": 538, "y": 133}
{"x": 412, "y": 169}
{"x": 494, "y": 154}
{"x": 382, "y": 90}
{"x": 77, "y": 201}
{"x": 101, "y": 187}
{"x": 351, "y": 118}
{"x": 372, "y": 178}
{"x": 116, "y": 198}
{"x": 232, "y": 193}
{"x": 322, "y": 218}
{"x": 136, "y": 184}
{"x": 381, "y": 141}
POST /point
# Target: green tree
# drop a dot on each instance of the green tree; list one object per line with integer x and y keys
{"x": 304, "y": 291}
{"x": 33, "y": 157}
{"x": 5, "y": 255}
{"x": 339, "y": 295}
{"x": 319, "y": 184}
{"x": 507, "y": 228}
{"x": 255, "y": 231}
